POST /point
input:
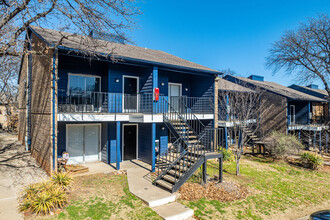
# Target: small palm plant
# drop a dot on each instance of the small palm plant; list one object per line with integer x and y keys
{"x": 41, "y": 198}
{"x": 62, "y": 179}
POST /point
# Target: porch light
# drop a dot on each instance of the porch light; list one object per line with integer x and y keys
{"x": 186, "y": 89}
{"x": 117, "y": 80}
{"x": 163, "y": 128}
{"x": 162, "y": 84}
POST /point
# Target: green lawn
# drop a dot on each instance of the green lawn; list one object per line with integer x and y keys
{"x": 274, "y": 186}
{"x": 104, "y": 197}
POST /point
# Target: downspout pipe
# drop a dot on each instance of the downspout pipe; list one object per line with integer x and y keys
{"x": 54, "y": 105}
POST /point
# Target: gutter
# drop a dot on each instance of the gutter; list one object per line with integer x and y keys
{"x": 54, "y": 105}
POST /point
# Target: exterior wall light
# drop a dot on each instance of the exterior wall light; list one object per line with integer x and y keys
{"x": 162, "y": 84}
{"x": 117, "y": 80}
{"x": 186, "y": 89}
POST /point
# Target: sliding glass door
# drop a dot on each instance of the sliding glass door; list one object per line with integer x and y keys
{"x": 83, "y": 143}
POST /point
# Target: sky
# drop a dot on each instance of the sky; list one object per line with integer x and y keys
{"x": 222, "y": 34}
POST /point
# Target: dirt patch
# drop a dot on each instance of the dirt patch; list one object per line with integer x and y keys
{"x": 18, "y": 163}
{"x": 99, "y": 185}
{"x": 224, "y": 192}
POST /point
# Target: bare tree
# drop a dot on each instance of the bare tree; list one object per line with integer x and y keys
{"x": 105, "y": 18}
{"x": 241, "y": 111}
{"x": 305, "y": 52}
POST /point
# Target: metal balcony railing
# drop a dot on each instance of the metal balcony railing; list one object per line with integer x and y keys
{"x": 103, "y": 102}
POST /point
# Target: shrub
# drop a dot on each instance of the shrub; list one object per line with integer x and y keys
{"x": 311, "y": 160}
{"x": 62, "y": 179}
{"x": 227, "y": 155}
{"x": 279, "y": 145}
{"x": 41, "y": 198}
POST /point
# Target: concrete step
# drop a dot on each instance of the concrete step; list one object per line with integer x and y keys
{"x": 164, "y": 184}
{"x": 174, "y": 211}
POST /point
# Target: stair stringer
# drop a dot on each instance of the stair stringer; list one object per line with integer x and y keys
{"x": 189, "y": 173}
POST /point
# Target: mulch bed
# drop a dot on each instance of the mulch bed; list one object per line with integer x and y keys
{"x": 223, "y": 192}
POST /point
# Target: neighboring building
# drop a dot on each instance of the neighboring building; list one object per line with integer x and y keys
{"x": 8, "y": 117}
{"x": 290, "y": 110}
{"x": 97, "y": 109}
{"x": 232, "y": 95}
{"x": 320, "y": 111}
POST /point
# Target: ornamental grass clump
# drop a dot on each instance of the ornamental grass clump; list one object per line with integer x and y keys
{"x": 42, "y": 198}
{"x": 279, "y": 145}
{"x": 62, "y": 179}
{"x": 311, "y": 160}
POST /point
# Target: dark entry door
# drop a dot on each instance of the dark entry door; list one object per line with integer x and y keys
{"x": 130, "y": 145}
{"x": 130, "y": 94}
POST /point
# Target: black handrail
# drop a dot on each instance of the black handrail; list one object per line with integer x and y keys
{"x": 183, "y": 154}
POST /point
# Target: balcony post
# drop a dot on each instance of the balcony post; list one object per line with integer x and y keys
{"x": 320, "y": 142}
{"x": 227, "y": 118}
{"x": 153, "y": 145}
{"x": 216, "y": 111}
{"x": 326, "y": 141}
{"x": 118, "y": 156}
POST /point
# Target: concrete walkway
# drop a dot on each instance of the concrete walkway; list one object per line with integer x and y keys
{"x": 8, "y": 199}
{"x": 161, "y": 201}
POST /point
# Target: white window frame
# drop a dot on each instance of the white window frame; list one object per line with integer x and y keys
{"x": 137, "y": 91}
{"x": 86, "y": 75}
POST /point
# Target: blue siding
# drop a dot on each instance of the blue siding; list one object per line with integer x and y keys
{"x": 145, "y": 151}
{"x": 112, "y": 141}
{"x": 69, "y": 64}
{"x": 301, "y": 110}
{"x": 104, "y": 142}
{"x": 198, "y": 86}
{"x": 162, "y": 136}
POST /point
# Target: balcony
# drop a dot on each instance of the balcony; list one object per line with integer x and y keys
{"x": 317, "y": 123}
{"x": 135, "y": 105}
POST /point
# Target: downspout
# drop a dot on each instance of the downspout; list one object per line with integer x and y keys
{"x": 54, "y": 105}
{"x": 28, "y": 102}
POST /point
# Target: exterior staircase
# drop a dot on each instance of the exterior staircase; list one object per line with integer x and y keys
{"x": 255, "y": 141}
{"x": 187, "y": 153}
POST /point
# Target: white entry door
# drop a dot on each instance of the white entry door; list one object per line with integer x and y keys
{"x": 83, "y": 143}
{"x": 174, "y": 92}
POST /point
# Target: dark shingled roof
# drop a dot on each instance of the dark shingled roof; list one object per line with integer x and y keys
{"x": 116, "y": 50}
{"x": 279, "y": 89}
{"x": 225, "y": 85}
{"x": 320, "y": 91}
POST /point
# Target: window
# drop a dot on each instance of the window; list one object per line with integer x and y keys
{"x": 83, "y": 84}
